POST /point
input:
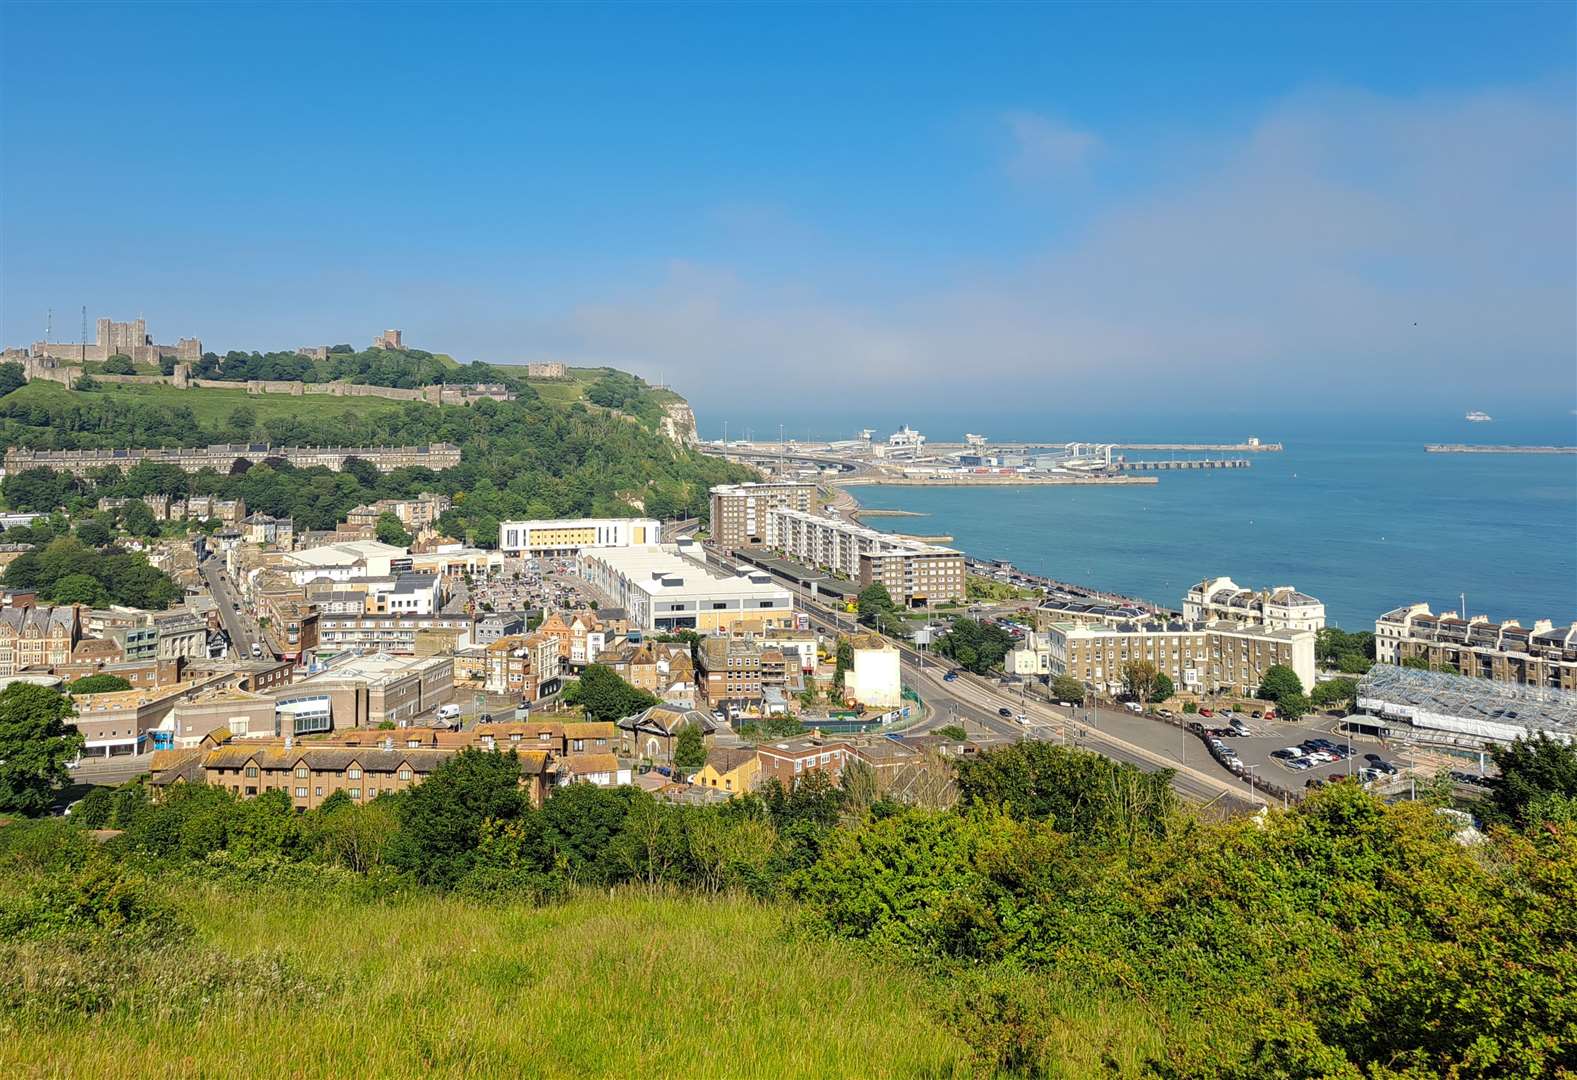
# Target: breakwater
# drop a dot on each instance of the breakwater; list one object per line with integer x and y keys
{"x": 1469, "y": 448}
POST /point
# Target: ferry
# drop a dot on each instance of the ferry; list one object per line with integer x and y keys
{"x": 1476, "y": 417}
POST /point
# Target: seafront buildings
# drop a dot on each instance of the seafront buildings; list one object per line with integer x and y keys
{"x": 571, "y": 536}
{"x": 1280, "y": 608}
{"x": 220, "y": 457}
{"x": 914, "y": 573}
{"x": 741, "y": 512}
{"x": 1220, "y": 656}
{"x": 1542, "y": 655}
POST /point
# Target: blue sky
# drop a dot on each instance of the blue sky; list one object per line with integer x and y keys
{"x": 928, "y": 207}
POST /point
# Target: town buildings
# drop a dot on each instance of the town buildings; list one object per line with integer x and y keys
{"x": 1460, "y": 711}
{"x": 418, "y": 516}
{"x": 665, "y": 587}
{"x": 397, "y": 634}
{"x": 874, "y": 679}
{"x": 221, "y": 457}
{"x": 1280, "y": 608}
{"x": 1543, "y": 655}
{"x": 1199, "y": 657}
{"x": 365, "y": 691}
{"x": 741, "y": 512}
{"x": 37, "y": 636}
{"x": 787, "y": 762}
{"x": 571, "y": 536}
{"x": 912, "y": 572}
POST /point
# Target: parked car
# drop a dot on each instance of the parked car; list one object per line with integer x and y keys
{"x": 1134, "y": 707}
{"x": 1165, "y": 714}
{"x": 1258, "y": 715}
{"x": 1206, "y": 712}
{"x": 1373, "y": 757}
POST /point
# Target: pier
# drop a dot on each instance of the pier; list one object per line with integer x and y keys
{"x": 1467, "y": 448}
{"x": 1187, "y": 463}
{"x": 1206, "y": 448}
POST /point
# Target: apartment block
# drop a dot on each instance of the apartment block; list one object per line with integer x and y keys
{"x": 1543, "y": 655}
{"x": 912, "y": 572}
{"x": 787, "y": 762}
{"x": 741, "y": 512}
{"x": 1199, "y": 657}
{"x": 37, "y": 637}
{"x": 1280, "y": 608}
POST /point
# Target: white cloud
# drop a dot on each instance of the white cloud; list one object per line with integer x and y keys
{"x": 1347, "y": 244}
{"x": 1046, "y": 148}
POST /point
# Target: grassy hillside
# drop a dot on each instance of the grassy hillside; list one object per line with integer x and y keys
{"x": 211, "y": 407}
{"x": 608, "y": 985}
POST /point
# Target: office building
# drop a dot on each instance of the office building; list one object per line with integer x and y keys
{"x": 740, "y": 512}
{"x": 666, "y": 587}
{"x": 365, "y": 691}
{"x": 1280, "y": 608}
{"x": 1543, "y": 655}
{"x": 571, "y": 536}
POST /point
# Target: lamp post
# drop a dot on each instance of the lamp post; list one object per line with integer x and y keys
{"x": 1248, "y": 777}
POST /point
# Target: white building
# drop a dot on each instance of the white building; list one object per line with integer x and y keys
{"x": 1280, "y": 608}
{"x": 571, "y": 536}
{"x": 913, "y": 572}
{"x": 1200, "y": 657}
{"x": 874, "y": 680}
{"x": 667, "y": 587}
{"x": 344, "y": 561}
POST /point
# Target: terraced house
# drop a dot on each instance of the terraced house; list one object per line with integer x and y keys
{"x": 1543, "y": 654}
{"x": 37, "y": 637}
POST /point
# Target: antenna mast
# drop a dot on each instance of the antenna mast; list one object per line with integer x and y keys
{"x": 84, "y": 333}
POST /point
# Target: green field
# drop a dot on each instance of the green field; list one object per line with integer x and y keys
{"x": 620, "y": 985}
{"x": 211, "y": 407}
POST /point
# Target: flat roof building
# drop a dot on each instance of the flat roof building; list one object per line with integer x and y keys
{"x": 571, "y": 536}
{"x": 1461, "y": 710}
{"x": 662, "y": 587}
{"x": 913, "y": 572}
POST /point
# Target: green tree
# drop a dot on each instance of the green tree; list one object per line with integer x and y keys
{"x": 1139, "y": 680}
{"x": 690, "y": 748}
{"x": 1163, "y": 688}
{"x": 167, "y": 365}
{"x": 242, "y": 422}
{"x": 79, "y": 589}
{"x": 95, "y": 810}
{"x": 119, "y": 364}
{"x": 1279, "y": 681}
{"x": 98, "y": 684}
{"x": 1294, "y": 706}
{"x": 390, "y": 530}
{"x": 35, "y": 745}
{"x": 605, "y": 696}
{"x": 975, "y": 646}
{"x": 441, "y": 818}
{"x": 1339, "y": 693}
{"x": 1416, "y": 663}
{"x": 1534, "y": 772}
{"x": 874, "y": 601}
{"x": 12, "y": 377}
{"x": 138, "y": 520}
{"x": 93, "y": 532}
{"x": 952, "y": 732}
{"x": 1067, "y": 688}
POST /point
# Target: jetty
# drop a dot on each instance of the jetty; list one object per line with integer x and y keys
{"x": 1468, "y": 448}
{"x": 1187, "y": 463}
{"x": 1209, "y": 448}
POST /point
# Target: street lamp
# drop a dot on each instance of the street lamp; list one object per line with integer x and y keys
{"x": 1248, "y": 777}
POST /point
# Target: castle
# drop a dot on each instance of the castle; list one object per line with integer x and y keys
{"x": 121, "y": 338}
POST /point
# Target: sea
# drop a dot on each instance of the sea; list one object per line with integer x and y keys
{"x": 1352, "y": 510}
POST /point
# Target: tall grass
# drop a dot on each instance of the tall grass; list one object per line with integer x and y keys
{"x": 627, "y": 984}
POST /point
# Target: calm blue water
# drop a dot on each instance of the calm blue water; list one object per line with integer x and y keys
{"x": 1365, "y": 524}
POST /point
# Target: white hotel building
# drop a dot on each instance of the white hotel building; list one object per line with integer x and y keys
{"x": 662, "y": 589}
{"x": 571, "y": 536}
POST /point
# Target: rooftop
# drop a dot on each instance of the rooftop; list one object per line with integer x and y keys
{"x": 374, "y": 668}
{"x": 1484, "y": 704}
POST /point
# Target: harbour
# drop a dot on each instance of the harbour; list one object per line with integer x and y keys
{"x": 1469, "y": 448}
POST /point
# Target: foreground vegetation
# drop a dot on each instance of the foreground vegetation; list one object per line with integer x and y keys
{"x": 1068, "y": 919}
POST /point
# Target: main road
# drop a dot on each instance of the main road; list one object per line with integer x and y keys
{"x": 239, "y": 623}
{"x": 979, "y": 701}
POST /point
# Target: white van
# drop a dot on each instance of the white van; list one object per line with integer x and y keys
{"x": 1135, "y": 707}
{"x": 447, "y": 713}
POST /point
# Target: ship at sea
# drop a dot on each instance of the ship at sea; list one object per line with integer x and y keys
{"x": 1477, "y": 417}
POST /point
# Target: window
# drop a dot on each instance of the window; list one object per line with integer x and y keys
{"x": 251, "y": 770}
{"x": 353, "y": 773}
{"x": 301, "y": 772}
{"x": 318, "y": 792}
{"x": 405, "y": 774}
{"x": 301, "y": 793}
{"x": 355, "y": 792}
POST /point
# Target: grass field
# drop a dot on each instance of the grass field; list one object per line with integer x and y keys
{"x": 628, "y": 985}
{"x": 210, "y": 406}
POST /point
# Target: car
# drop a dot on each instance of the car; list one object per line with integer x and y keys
{"x": 1022, "y": 719}
{"x": 1373, "y": 757}
{"x": 1285, "y": 755}
{"x": 1064, "y": 704}
{"x": 1258, "y": 715}
{"x": 1165, "y": 714}
{"x": 1008, "y": 713}
{"x": 1291, "y": 751}
{"x": 1134, "y": 707}
{"x": 1206, "y": 712}
{"x": 951, "y": 676}
{"x": 1314, "y": 781}
{"x": 1386, "y": 767}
